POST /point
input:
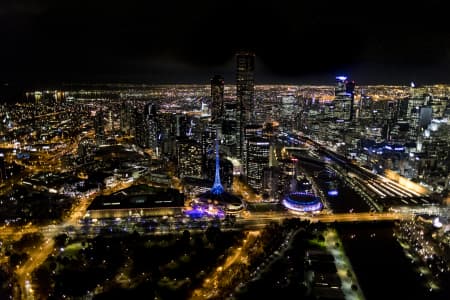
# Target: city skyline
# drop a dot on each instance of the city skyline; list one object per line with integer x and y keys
{"x": 85, "y": 168}
{"x": 224, "y": 150}
{"x": 47, "y": 42}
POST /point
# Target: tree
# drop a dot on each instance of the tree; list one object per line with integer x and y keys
{"x": 185, "y": 237}
{"x": 17, "y": 259}
{"x": 212, "y": 234}
{"x": 44, "y": 279}
{"x": 27, "y": 241}
{"x": 61, "y": 240}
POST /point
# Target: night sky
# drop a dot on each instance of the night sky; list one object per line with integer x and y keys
{"x": 66, "y": 41}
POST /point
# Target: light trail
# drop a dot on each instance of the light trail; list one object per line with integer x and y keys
{"x": 375, "y": 190}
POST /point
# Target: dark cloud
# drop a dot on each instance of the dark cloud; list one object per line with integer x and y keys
{"x": 21, "y": 7}
{"x": 87, "y": 40}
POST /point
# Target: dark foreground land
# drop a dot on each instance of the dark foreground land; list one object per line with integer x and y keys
{"x": 383, "y": 270}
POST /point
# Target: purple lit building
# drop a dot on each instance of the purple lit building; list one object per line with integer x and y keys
{"x": 300, "y": 202}
{"x": 216, "y": 202}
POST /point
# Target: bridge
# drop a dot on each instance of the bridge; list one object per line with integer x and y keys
{"x": 263, "y": 218}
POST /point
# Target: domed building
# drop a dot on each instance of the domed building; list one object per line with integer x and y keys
{"x": 300, "y": 202}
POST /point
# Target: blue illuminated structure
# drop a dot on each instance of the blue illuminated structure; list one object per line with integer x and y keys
{"x": 302, "y": 202}
{"x": 217, "y": 188}
{"x": 332, "y": 189}
{"x": 200, "y": 211}
{"x": 333, "y": 193}
{"x": 216, "y": 202}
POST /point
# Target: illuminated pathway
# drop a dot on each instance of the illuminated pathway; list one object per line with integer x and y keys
{"x": 209, "y": 288}
{"x": 343, "y": 266}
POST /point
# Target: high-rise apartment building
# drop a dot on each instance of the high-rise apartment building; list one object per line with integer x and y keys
{"x": 99, "y": 127}
{"x": 151, "y": 126}
{"x": 190, "y": 157}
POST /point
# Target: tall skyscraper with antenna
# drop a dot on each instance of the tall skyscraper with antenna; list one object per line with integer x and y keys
{"x": 245, "y": 89}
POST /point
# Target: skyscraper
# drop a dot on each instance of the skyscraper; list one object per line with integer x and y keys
{"x": 230, "y": 129}
{"x": 344, "y": 98}
{"x": 257, "y": 161}
{"x": 147, "y": 127}
{"x": 2, "y": 168}
{"x": 190, "y": 158}
{"x": 151, "y": 126}
{"x": 245, "y": 85}
{"x": 217, "y": 89}
{"x": 99, "y": 127}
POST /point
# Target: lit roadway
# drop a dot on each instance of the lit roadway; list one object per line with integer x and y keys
{"x": 253, "y": 220}
{"x": 261, "y": 219}
{"x": 39, "y": 254}
{"x": 210, "y": 284}
{"x": 15, "y": 233}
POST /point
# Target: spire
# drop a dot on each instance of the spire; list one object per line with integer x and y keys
{"x": 217, "y": 188}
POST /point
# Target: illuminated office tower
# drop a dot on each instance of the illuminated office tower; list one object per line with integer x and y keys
{"x": 438, "y": 105}
{"x": 190, "y": 158}
{"x": 419, "y": 122}
{"x": 151, "y": 126}
{"x": 250, "y": 131}
{"x": 288, "y": 106}
{"x": 344, "y": 93}
{"x": 124, "y": 121}
{"x": 99, "y": 127}
{"x": 217, "y": 108}
{"x": 230, "y": 129}
{"x": 245, "y": 85}
{"x": 139, "y": 135}
{"x": 418, "y": 114}
{"x": 286, "y": 174}
{"x": 415, "y": 101}
{"x": 181, "y": 125}
{"x": 365, "y": 105}
{"x": 257, "y": 161}
{"x": 147, "y": 127}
